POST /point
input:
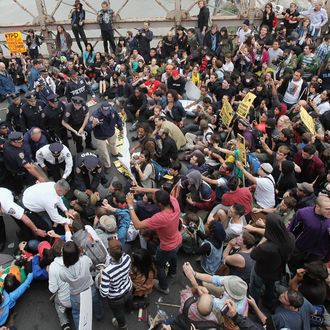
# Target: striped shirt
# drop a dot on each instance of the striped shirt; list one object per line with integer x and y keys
{"x": 115, "y": 281}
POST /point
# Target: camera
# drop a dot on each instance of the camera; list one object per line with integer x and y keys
{"x": 192, "y": 227}
{"x": 224, "y": 309}
{"x": 278, "y": 60}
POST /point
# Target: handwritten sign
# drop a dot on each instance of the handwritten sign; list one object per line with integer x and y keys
{"x": 307, "y": 119}
{"x": 245, "y": 105}
{"x": 226, "y": 113}
{"x": 86, "y": 310}
{"x": 15, "y": 42}
{"x": 241, "y": 148}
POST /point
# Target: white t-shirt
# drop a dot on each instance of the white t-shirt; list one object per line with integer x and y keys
{"x": 235, "y": 229}
{"x": 323, "y": 107}
{"x": 8, "y": 206}
{"x": 264, "y": 194}
{"x": 292, "y": 93}
{"x": 228, "y": 67}
{"x": 242, "y": 35}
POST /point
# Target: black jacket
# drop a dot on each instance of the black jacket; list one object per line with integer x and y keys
{"x": 203, "y": 18}
{"x": 208, "y": 40}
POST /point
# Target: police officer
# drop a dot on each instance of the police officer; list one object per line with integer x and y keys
{"x": 10, "y": 208}
{"x": 32, "y": 111}
{"x": 4, "y": 133}
{"x": 55, "y": 158}
{"x": 42, "y": 90}
{"x": 88, "y": 172}
{"x": 20, "y": 169}
{"x": 77, "y": 86}
{"x": 13, "y": 117}
{"x": 104, "y": 121}
{"x": 52, "y": 121}
{"x": 75, "y": 119}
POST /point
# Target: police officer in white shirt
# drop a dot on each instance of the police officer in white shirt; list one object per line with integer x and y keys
{"x": 45, "y": 199}
{"x": 54, "y": 157}
{"x": 9, "y": 207}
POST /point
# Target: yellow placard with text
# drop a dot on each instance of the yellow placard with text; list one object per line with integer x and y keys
{"x": 241, "y": 149}
{"x": 307, "y": 119}
{"x": 15, "y": 42}
{"x": 227, "y": 113}
{"x": 245, "y": 105}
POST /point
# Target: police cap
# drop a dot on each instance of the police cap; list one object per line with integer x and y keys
{"x": 14, "y": 96}
{"x": 56, "y": 148}
{"x": 3, "y": 124}
{"x": 15, "y": 136}
{"x": 77, "y": 100}
{"x": 91, "y": 162}
{"x": 30, "y": 95}
{"x": 52, "y": 97}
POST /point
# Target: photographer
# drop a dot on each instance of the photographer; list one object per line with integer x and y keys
{"x": 18, "y": 75}
{"x": 104, "y": 18}
{"x": 144, "y": 37}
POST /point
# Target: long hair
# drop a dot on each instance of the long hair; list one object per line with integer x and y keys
{"x": 142, "y": 262}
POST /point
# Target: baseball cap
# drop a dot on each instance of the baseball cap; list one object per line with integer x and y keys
{"x": 235, "y": 287}
{"x": 267, "y": 168}
{"x": 108, "y": 222}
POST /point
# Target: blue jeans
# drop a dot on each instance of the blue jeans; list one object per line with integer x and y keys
{"x": 20, "y": 88}
{"x": 162, "y": 257}
{"x": 98, "y": 310}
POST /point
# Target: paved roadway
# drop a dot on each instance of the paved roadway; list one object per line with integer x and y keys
{"x": 36, "y": 312}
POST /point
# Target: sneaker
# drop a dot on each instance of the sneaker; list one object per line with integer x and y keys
{"x": 66, "y": 326}
{"x": 115, "y": 324}
{"x": 158, "y": 288}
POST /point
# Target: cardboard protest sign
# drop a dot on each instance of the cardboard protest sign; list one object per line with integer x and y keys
{"x": 15, "y": 42}
{"x": 241, "y": 149}
{"x": 245, "y": 105}
{"x": 226, "y": 113}
{"x": 307, "y": 119}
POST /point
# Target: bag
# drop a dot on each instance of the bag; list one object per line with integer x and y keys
{"x": 160, "y": 171}
{"x": 317, "y": 319}
{"x": 94, "y": 250}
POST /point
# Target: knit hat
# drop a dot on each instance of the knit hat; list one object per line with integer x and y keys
{"x": 108, "y": 222}
{"x": 235, "y": 287}
{"x": 81, "y": 196}
{"x": 267, "y": 168}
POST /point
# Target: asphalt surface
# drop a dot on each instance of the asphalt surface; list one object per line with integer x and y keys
{"x": 34, "y": 311}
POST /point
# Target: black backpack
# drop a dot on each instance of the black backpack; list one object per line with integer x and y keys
{"x": 183, "y": 322}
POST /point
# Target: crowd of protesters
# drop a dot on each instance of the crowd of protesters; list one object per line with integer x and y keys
{"x": 253, "y": 230}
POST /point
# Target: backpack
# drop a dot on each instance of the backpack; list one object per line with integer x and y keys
{"x": 95, "y": 251}
{"x": 254, "y": 163}
{"x": 160, "y": 171}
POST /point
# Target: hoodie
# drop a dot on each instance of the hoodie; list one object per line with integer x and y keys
{"x": 56, "y": 285}
{"x": 78, "y": 276}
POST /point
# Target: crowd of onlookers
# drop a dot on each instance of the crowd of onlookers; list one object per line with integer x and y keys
{"x": 245, "y": 202}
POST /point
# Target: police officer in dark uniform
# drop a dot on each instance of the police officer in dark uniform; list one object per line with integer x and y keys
{"x": 21, "y": 171}
{"x": 88, "y": 173}
{"x": 42, "y": 90}
{"x": 4, "y": 133}
{"x": 52, "y": 120}
{"x": 32, "y": 112}
{"x": 77, "y": 86}
{"x": 13, "y": 117}
{"x": 75, "y": 119}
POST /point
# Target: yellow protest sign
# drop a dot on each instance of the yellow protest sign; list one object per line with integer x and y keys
{"x": 244, "y": 106}
{"x": 226, "y": 113}
{"x": 241, "y": 149}
{"x": 15, "y": 42}
{"x": 307, "y": 119}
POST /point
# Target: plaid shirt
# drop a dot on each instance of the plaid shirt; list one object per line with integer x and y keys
{"x": 322, "y": 51}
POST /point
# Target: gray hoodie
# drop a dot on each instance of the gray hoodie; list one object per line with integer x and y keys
{"x": 78, "y": 276}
